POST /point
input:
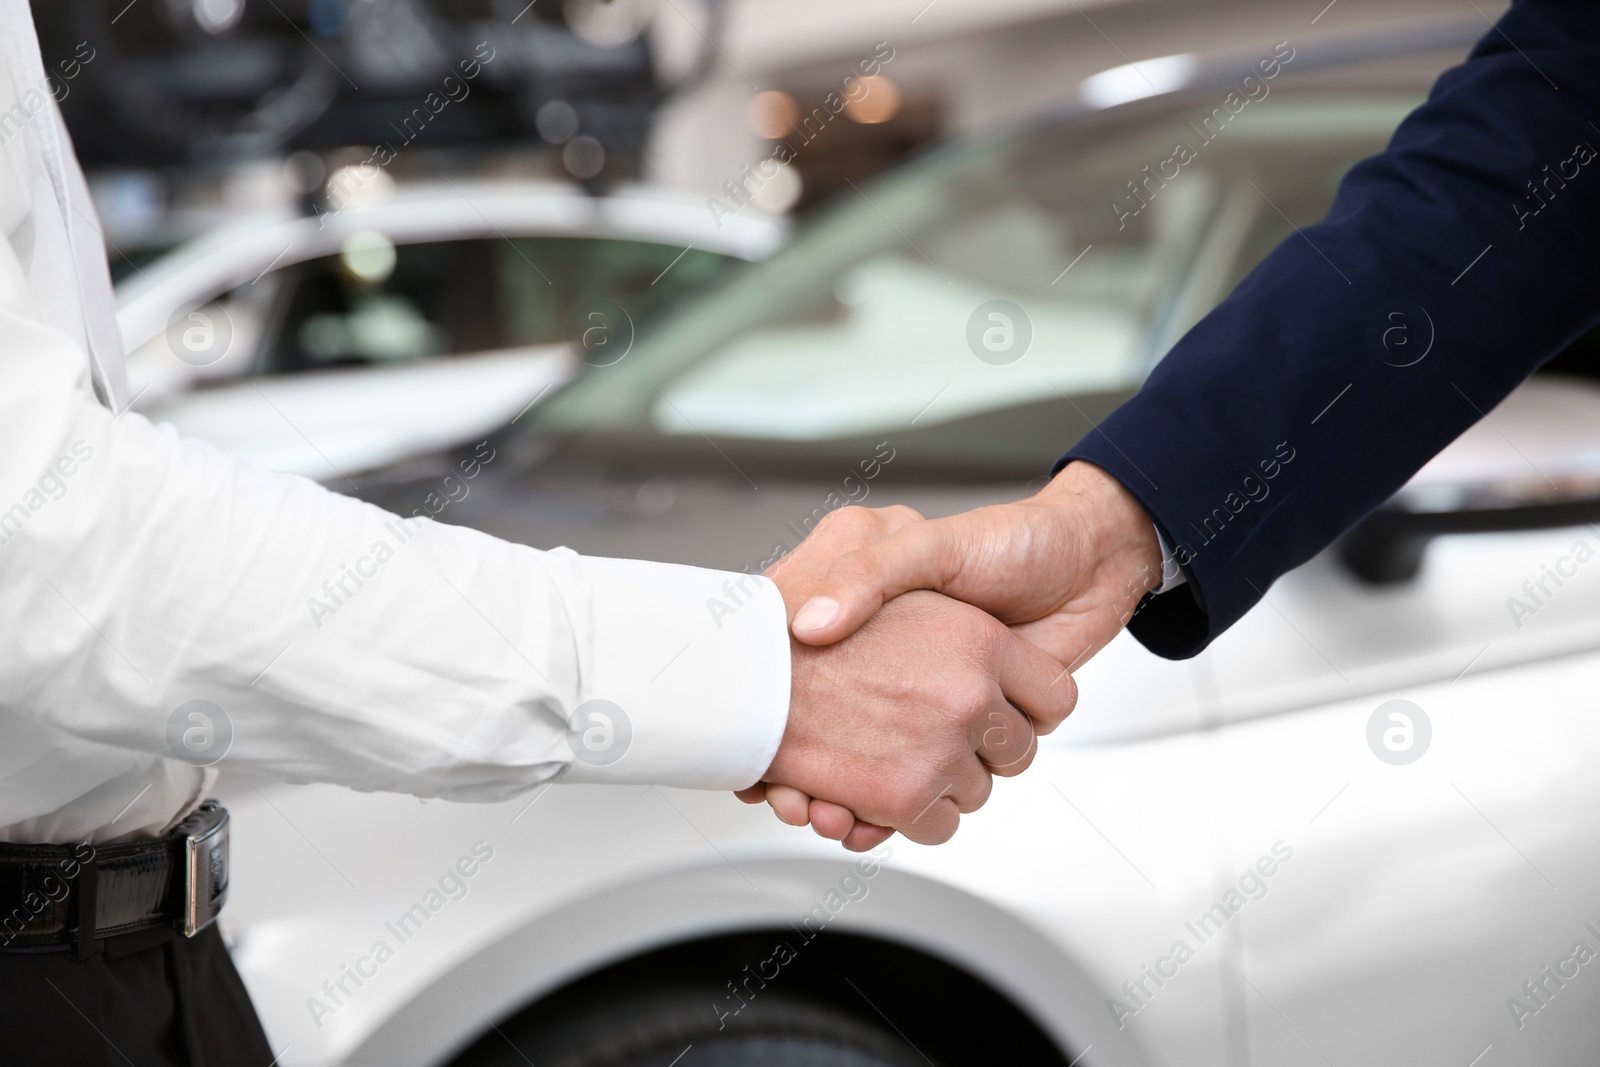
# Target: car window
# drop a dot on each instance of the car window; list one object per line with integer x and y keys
{"x": 376, "y": 303}
{"x": 973, "y": 291}
{"x": 969, "y": 311}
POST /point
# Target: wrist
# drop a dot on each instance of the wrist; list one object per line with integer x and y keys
{"x": 1118, "y": 534}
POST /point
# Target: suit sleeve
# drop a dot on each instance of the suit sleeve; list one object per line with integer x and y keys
{"x": 1286, "y": 415}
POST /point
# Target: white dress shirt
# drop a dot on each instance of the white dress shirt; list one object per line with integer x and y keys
{"x": 140, "y": 572}
{"x": 1172, "y": 575}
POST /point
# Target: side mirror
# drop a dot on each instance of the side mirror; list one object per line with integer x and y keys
{"x": 1533, "y": 463}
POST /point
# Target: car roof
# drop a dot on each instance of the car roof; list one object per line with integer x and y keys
{"x": 239, "y": 252}
{"x": 1361, "y": 60}
{"x": 1341, "y": 56}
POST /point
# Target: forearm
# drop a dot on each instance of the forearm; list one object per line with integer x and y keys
{"x": 1281, "y": 419}
{"x": 342, "y": 643}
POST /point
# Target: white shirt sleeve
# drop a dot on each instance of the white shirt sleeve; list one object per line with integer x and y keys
{"x": 140, "y": 571}
{"x": 1172, "y": 574}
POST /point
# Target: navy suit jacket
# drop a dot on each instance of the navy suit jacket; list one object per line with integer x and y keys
{"x": 1284, "y": 417}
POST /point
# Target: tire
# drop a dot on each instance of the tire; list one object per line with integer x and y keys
{"x": 657, "y": 1028}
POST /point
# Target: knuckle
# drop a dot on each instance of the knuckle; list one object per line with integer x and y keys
{"x": 978, "y": 795}
{"x": 943, "y": 831}
{"x": 919, "y": 801}
{"x": 907, "y": 800}
{"x": 1063, "y": 699}
{"x": 1015, "y": 761}
{"x": 849, "y": 517}
{"x": 1069, "y": 690}
{"x": 855, "y": 565}
{"x": 897, "y": 515}
{"x": 998, "y": 736}
{"x": 969, "y": 702}
{"x": 983, "y": 633}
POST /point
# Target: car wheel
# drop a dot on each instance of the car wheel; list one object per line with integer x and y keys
{"x": 684, "y": 1029}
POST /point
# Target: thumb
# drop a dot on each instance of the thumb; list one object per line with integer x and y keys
{"x": 922, "y": 555}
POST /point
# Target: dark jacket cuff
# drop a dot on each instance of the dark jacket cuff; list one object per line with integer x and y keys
{"x": 1173, "y": 625}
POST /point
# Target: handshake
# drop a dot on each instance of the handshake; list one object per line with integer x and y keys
{"x": 929, "y": 654}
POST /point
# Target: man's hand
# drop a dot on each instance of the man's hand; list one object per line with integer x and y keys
{"x": 1065, "y": 568}
{"x": 904, "y": 724}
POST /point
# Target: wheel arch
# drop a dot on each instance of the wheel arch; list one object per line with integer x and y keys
{"x": 704, "y": 918}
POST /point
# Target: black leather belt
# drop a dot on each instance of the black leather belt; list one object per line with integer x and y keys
{"x": 180, "y": 880}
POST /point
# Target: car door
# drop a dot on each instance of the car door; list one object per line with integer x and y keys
{"x": 1433, "y": 911}
{"x": 1427, "y": 748}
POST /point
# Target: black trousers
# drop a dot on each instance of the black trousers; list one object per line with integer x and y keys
{"x": 154, "y": 999}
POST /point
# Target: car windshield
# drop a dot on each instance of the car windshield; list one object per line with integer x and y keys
{"x": 992, "y": 302}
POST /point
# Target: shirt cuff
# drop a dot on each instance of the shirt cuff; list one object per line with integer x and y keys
{"x": 1172, "y": 574}
{"x": 688, "y": 677}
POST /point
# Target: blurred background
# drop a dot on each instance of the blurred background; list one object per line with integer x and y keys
{"x": 191, "y": 113}
{"x": 673, "y": 279}
{"x": 340, "y": 185}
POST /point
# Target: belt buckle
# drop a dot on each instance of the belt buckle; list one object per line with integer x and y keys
{"x": 205, "y": 866}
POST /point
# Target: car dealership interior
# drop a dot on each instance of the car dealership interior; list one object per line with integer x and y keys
{"x": 1108, "y": 484}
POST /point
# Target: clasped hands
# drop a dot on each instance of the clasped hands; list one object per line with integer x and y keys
{"x": 929, "y": 654}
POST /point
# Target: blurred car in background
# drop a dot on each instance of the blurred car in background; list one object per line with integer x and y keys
{"x": 1251, "y": 857}
{"x": 407, "y": 320}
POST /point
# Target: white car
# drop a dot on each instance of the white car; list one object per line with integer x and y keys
{"x": 1359, "y": 829}
{"x": 411, "y": 319}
